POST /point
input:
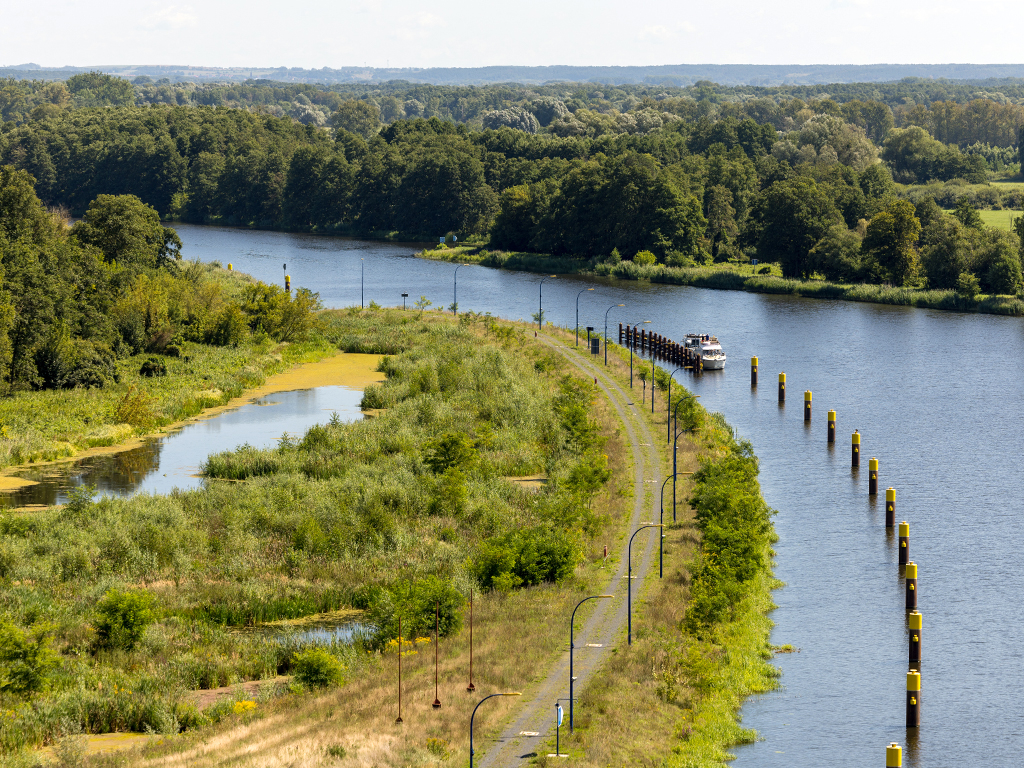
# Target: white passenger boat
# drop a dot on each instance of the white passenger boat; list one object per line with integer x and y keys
{"x": 709, "y": 348}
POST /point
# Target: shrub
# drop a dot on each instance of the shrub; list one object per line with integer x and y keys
{"x": 645, "y": 259}
{"x": 529, "y": 557}
{"x": 318, "y": 668}
{"x": 26, "y": 658}
{"x": 135, "y": 408}
{"x": 123, "y": 618}
{"x": 415, "y": 602}
{"x": 154, "y": 366}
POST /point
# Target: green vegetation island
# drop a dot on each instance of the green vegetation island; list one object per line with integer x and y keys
{"x": 490, "y": 481}
{"x": 896, "y": 192}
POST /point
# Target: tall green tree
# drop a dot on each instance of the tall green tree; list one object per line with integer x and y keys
{"x": 127, "y": 231}
{"x": 891, "y": 236}
{"x": 787, "y": 220}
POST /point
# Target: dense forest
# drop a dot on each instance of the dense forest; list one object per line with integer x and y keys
{"x": 77, "y": 299}
{"x": 851, "y": 190}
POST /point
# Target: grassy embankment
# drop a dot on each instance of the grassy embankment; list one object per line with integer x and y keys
{"x": 731, "y": 277}
{"x": 243, "y": 552}
{"x": 386, "y": 514}
{"x": 50, "y": 425}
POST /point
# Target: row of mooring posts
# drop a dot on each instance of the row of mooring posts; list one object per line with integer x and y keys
{"x": 893, "y": 752}
{"x": 660, "y": 347}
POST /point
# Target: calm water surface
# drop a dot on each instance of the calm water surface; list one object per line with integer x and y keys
{"x": 938, "y": 399}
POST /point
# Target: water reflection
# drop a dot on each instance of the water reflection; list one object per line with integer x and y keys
{"x": 163, "y": 464}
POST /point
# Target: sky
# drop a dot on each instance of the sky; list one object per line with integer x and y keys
{"x": 471, "y": 33}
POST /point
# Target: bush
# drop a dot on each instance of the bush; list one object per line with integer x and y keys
{"x": 415, "y": 602}
{"x": 154, "y": 366}
{"x": 645, "y": 259}
{"x": 26, "y": 658}
{"x": 123, "y": 618}
{"x": 529, "y": 557}
{"x": 317, "y": 668}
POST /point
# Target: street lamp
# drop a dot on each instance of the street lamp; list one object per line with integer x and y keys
{"x": 540, "y": 308}
{"x": 661, "y": 519}
{"x": 404, "y": 297}
{"x": 629, "y": 581}
{"x": 578, "y": 313}
{"x": 613, "y": 306}
{"x": 455, "y": 297}
{"x": 485, "y": 698}
{"x": 362, "y": 283}
{"x": 632, "y": 343}
{"x": 675, "y": 445}
{"x": 668, "y": 406}
{"x": 572, "y": 645}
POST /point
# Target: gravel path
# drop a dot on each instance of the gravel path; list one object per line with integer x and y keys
{"x": 605, "y": 626}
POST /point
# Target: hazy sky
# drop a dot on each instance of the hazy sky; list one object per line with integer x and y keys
{"x": 463, "y": 33}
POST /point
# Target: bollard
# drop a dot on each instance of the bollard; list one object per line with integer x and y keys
{"x": 807, "y": 405}
{"x": 890, "y": 512}
{"x": 231, "y": 267}
{"x": 831, "y": 426}
{"x": 753, "y": 372}
{"x": 782, "y": 387}
{"x": 913, "y": 699}
{"x": 894, "y": 756}
{"x": 287, "y": 282}
{"x": 911, "y": 587}
{"x": 872, "y": 476}
{"x": 856, "y": 449}
{"x": 915, "y": 637}
{"x": 904, "y": 542}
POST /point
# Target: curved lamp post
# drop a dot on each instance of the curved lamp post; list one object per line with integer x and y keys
{"x": 629, "y": 581}
{"x": 455, "y": 293}
{"x": 540, "y": 301}
{"x": 661, "y": 519}
{"x": 485, "y": 698}
{"x": 613, "y": 306}
{"x": 578, "y": 313}
{"x": 668, "y": 406}
{"x": 632, "y": 343}
{"x": 572, "y": 645}
{"x": 675, "y": 445}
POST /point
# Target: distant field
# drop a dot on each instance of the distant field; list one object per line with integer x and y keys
{"x": 998, "y": 219}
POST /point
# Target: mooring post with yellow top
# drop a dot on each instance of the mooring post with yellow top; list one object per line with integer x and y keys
{"x": 856, "y": 449}
{"x": 890, "y": 510}
{"x": 831, "y": 426}
{"x": 782, "y": 387}
{"x": 287, "y": 282}
{"x": 753, "y": 372}
{"x": 915, "y": 637}
{"x": 230, "y": 267}
{"x": 807, "y": 405}
{"x": 911, "y": 586}
{"x": 913, "y": 699}
{"x": 894, "y": 756}
{"x": 904, "y": 542}
{"x": 872, "y": 476}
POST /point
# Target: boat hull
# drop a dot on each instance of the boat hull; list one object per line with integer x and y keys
{"x": 714, "y": 365}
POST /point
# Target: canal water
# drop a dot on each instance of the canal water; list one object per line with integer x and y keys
{"x": 937, "y": 397}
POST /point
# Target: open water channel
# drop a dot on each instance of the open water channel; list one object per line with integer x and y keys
{"x": 937, "y": 397}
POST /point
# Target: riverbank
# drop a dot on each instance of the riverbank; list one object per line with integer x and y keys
{"x": 731, "y": 278}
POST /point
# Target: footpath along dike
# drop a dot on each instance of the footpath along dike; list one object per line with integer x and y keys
{"x": 532, "y": 724}
{"x": 740, "y": 628}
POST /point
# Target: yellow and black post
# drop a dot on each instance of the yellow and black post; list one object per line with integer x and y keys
{"x": 913, "y": 699}
{"x": 231, "y": 267}
{"x": 831, "y": 426}
{"x": 807, "y": 405}
{"x": 288, "y": 282}
{"x": 753, "y": 372}
{"x": 915, "y": 637}
{"x": 904, "y": 542}
{"x": 856, "y": 449}
{"x": 894, "y": 756}
{"x": 911, "y": 586}
{"x": 890, "y": 511}
{"x": 782, "y": 387}
{"x": 872, "y": 476}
